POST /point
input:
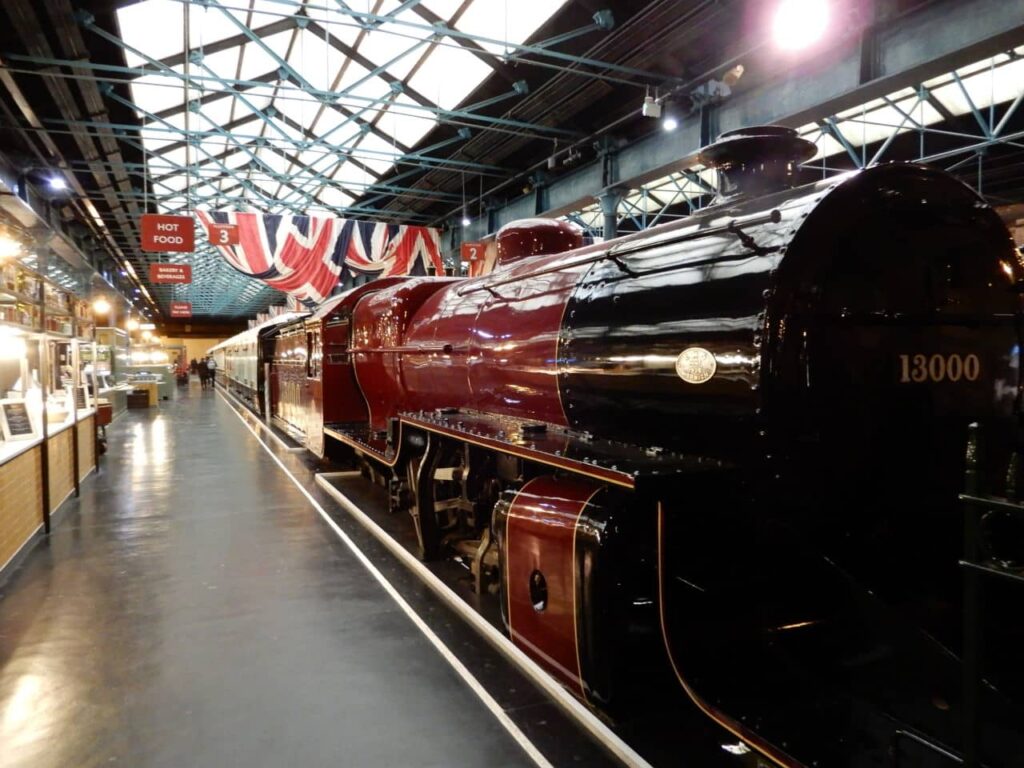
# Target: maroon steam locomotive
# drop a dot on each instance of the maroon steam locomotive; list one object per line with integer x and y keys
{"x": 727, "y": 449}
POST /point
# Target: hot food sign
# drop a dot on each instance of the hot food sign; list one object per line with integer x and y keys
{"x": 167, "y": 234}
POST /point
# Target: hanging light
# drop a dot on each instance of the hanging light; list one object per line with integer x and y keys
{"x": 57, "y": 183}
{"x": 101, "y": 306}
{"x": 799, "y": 24}
{"x": 465, "y": 219}
{"x": 9, "y": 247}
{"x": 132, "y": 324}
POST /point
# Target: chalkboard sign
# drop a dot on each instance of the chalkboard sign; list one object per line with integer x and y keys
{"x": 15, "y": 420}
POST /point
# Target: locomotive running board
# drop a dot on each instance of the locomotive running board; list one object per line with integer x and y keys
{"x": 621, "y": 464}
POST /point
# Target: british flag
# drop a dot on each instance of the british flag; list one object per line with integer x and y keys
{"x": 311, "y": 257}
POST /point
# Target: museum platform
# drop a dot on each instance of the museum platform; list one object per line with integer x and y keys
{"x": 191, "y": 608}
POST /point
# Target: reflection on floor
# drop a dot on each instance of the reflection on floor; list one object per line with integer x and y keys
{"x": 189, "y": 610}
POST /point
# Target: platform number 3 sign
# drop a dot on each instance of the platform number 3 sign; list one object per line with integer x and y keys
{"x": 224, "y": 234}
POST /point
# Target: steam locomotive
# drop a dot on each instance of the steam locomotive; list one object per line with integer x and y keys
{"x": 726, "y": 450}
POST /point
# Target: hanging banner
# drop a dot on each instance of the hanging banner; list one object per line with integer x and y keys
{"x": 167, "y": 234}
{"x": 181, "y": 309}
{"x": 170, "y": 273}
{"x": 309, "y": 257}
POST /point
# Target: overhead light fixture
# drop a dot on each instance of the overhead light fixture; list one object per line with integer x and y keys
{"x": 147, "y": 335}
{"x": 9, "y": 247}
{"x": 651, "y": 107}
{"x": 465, "y": 219}
{"x": 101, "y": 306}
{"x": 132, "y": 324}
{"x": 669, "y": 119}
{"x": 799, "y": 24}
{"x": 57, "y": 183}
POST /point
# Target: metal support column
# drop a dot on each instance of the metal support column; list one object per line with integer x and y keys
{"x": 609, "y": 201}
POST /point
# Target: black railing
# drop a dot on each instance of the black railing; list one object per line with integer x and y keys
{"x": 975, "y": 565}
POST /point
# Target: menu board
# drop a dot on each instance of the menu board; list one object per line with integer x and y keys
{"x": 16, "y": 422}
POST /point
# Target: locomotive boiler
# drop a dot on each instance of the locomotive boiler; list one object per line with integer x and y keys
{"x": 726, "y": 450}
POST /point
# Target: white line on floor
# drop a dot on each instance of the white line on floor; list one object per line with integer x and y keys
{"x": 443, "y": 649}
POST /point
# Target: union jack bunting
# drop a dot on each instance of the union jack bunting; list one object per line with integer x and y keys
{"x": 312, "y": 257}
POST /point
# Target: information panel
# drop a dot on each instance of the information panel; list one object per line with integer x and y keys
{"x": 15, "y": 420}
{"x": 170, "y": 273}
{"x": 162, "y": 233}
{"x": 471, "y": 252}
{"x": 181, "y": 309}
{"x": 223, "y": 234}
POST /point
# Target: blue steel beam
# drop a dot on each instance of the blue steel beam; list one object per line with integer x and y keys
{"x": 443, "y": 115}
{"x": 418, "y": 31}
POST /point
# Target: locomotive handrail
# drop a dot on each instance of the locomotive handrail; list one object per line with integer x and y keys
{"x": 731, "y": 227}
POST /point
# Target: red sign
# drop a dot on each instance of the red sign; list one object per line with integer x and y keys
{"x": 170, "y": 273}
{"x": 181, "y": 309}
{"x": 167, "y": 234}
{"x": 223, "y": 234}
{"x": 473, "y": 252}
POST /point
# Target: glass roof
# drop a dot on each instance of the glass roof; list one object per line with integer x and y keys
{"x": 296, "y": 106}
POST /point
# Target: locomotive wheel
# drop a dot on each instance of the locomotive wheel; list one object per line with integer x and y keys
{"x": 436, "y": 481}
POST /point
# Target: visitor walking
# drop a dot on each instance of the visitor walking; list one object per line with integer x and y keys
{"x": 204, "y": 374}
{"x": 211, "y": 368}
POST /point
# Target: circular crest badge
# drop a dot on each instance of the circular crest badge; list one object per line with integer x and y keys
{"x": 695, "y": 365}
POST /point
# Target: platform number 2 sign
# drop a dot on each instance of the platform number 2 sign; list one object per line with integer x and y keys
{"x": 472, "y": 252}
{"x": 224, "y": 234}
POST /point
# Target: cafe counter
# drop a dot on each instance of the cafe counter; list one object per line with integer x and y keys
{"x": 22, "y": 496}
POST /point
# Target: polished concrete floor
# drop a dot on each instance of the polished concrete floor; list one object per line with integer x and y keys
{"x": 191, "y": 610}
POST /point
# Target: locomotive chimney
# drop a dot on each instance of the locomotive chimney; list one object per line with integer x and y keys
{"x": 756, "y": 161}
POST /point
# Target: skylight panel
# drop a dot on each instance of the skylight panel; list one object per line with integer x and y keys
{"x": 328, "y": 121}
{"x": 511, "y": 20}
{"x": 358, "y": 82}
{"x": 334, "y": 197}
{"x": 154, "y": 93}
{"x": 276, "y": 162}
{"x": 407, "y": 124}
{"x": 353, "y": 177}
{"x": 448, "y": 75}
{"x": 395, "y": 46}
{"x": 443, "y": 8}
{"x": 315, "y": 60}
{"x": 156, "y": 28}
{"x": 256, "y": 62}
{"x": 217, "y": 112}
{"x": 223, "y": 64}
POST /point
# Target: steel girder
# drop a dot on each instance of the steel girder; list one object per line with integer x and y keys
{"x": 933, "y": 41}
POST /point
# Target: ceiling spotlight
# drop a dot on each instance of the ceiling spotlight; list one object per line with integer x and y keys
{"x": 101, "y": 306}
{"x": 465, "y": 219}
{"x": 669, "y": 123}
{"x": 133, "y": 324}
{"x": 799, "y": 24}
{"x": 57, "y": 183}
